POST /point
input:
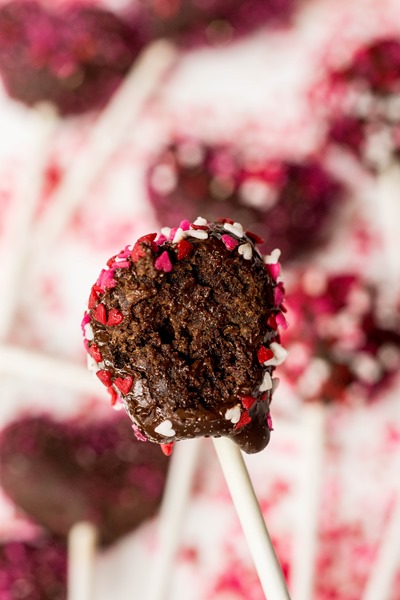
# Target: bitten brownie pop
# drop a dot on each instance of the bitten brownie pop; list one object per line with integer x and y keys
{"x": 184, "y": 327}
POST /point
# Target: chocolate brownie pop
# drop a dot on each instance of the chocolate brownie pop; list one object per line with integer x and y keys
{"x": 364, "y": 100}
{"x": 184, "y": 327}
{"x": 87, "y": 469}
{"x": 215, "y": 21}
{"x": 290, "y": 204}
{"x": 74, "y": 57}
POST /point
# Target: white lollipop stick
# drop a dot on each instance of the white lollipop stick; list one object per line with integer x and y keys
{"x": 82, "y": 542}
{"x": 176, "y": 495}
{"x": 308, "y": 503}
{"x": 251, "y": 519}
{"x": 112, "y": 126}
{"x": 387, "y": 210}
{"x": 18, "y": 232}
{"x": 386, "y": 567}
{"x": 28, "y": 364}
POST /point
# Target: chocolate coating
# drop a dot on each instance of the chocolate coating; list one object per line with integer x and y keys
{"x": 62, "y": 473}
{"x": 213, "y": 21}
{"x": 74, "y": 57}
{"x": 187, "y": 344}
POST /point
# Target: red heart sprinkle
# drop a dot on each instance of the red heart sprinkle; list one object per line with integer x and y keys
{"x": 95, "y": 353}
{"x": 93, "y": 299}
{"x": 111, "y": 261}
{"x": 245, "y": 419}
{"x": 124, "y": 385}
{"x": 138, "y": 251}
{"x": 99, "y": 313}
{"x": 105, "y": 377}
{"x": 264, "y": 354}
{"x": 167, "y": 448}
{"x": 114, "y": 317}
{"x": 254, "y": 237}
{"x": 113, "y": 394}
{"x": 224, "y": 220}
{"x": 271, "y": 322}
{"x": 248, "y": 401}
{"x": 202, "y": 227}
{"x": 184, "y": 248}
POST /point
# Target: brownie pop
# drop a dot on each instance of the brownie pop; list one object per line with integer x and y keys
{"x": 290, "y": 204}
{"x": 74, "y": 57}
{"x": 215, "y": 21}
{"x": 342, "y": 348}
{"x": 364, "y": 103}
{"x": 87, "y": 469}
{"x": 183, "y": 326}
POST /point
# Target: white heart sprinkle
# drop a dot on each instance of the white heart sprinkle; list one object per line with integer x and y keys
{"x": 266, "y": 382}
{"x": 233, "y": 414}
{"x": 200, "y": 221}
{"x": 165, "y": 428}
{"x": 273, "y": 258}
{"x": 166, "y": 231}
{"x": 236, "y": 229}
{"x": 246, "y": 251}
{"x": 198, "y": 233}
{"x": 280, "y": 355}
{"x": 92, "y": 364}
{"x": 89, "y": 335}
{"x": 275, "y": 383}
{"x": 179, "y": 235}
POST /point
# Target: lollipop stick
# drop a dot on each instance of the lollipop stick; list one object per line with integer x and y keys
{"x": 252, "y": 521}
{"x": 388, "y": 212}
{"x": 176, "y": 494}
{"x": 381, "y": 582}
{"x": 305, "y": 547}
{"x": 110, "y": 129}
{"x": 23, "y": 211}
{"x": 82, "y": 541}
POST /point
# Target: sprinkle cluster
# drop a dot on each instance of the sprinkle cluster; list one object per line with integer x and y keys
{"x": 341, "y": 349}
{"x": 165, "y": 250}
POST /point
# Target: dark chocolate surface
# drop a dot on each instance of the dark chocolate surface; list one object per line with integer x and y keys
{"x": 60, "y": 473}
{"x": 188, "y": 341}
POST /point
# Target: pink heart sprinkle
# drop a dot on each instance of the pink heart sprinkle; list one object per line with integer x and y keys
{"x": 123, "y": 264}
{"x": 85, "y": 321}
{"x": 106, "y": 279}
{"x": 163, "y": 263}
{"x": 279, "y": 296}
{"x": 161, "y": 239}
{"x": 138, "y": 434}
{"x": 172, "y": 233}
{"x": 281, "y": 320}
{"x": 184, "y": 225}
{"x": 274, "y": 270}
{"x": 229, "y": 242}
